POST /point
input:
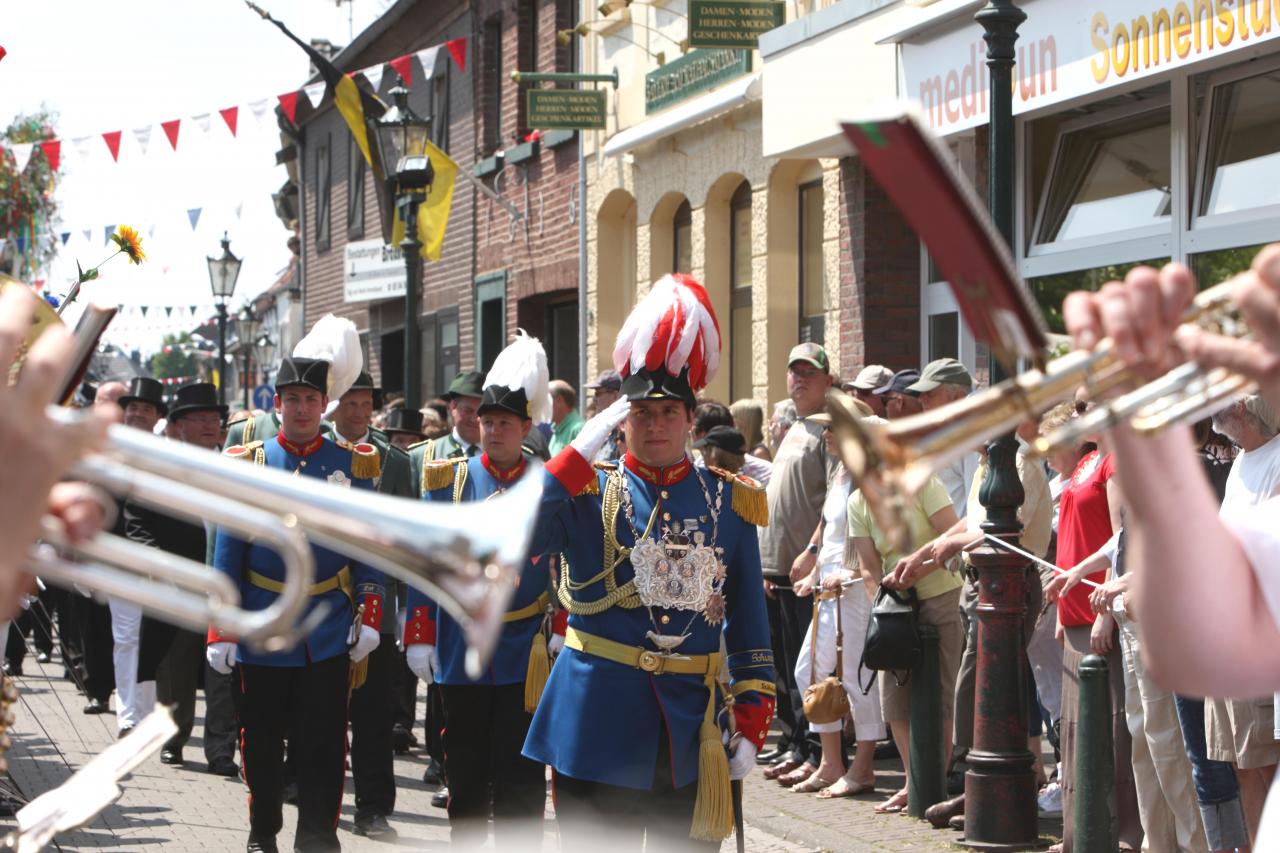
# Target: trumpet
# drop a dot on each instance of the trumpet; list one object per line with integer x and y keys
{"x": 892, "y": 462}
{"x": 457, "y": 554}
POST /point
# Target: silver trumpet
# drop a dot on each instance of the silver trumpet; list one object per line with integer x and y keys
{"x": 467, "y": 557}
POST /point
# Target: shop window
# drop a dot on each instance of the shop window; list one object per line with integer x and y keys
{"x": 1242, "y": 156}
{"x": 1216, "y": 267}
{"x": 323, "y": 187}
{"x": 439, "y": 351}
{"x": 813, "y": 287}
{"x": 740, "y": 292}
{"x": 1050, "y": 290}
{"x": 440, "y": 107}
{"x": 1108, "y": 177}
{"x": 561, "y": 337}
{"x": 491, "y": 318}
{"x": 355, "y": 190}
{"x": 682, "y": 239}
{"x": 944, "y": 335}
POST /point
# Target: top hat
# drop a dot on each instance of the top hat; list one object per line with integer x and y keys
{"x": 404, "y": 420}
{"x": 196, "y": 397}
{"x": 144, "y": 389}
{"x": 309, "y": 372}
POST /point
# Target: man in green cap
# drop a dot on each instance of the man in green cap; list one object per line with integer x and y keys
{"x": 944, "y": 381}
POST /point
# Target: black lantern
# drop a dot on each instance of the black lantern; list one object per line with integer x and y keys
{"x": 223, "y": 272}
{"x": 402, "y": 139}
{"x": 248, "y": 333}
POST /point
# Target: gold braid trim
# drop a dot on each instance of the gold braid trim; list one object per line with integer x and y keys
{"x": 246, "y": 435}
{"x": 459, "y": 480}
{"x": 758, "y": 685}
{"x": 365, "y": 464}
{"x": 614, "y": 555}
{"x": 436, "y": 474}
{"x": 748, "y": 497}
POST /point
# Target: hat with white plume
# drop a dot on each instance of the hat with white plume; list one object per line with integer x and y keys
{"x": 517, "y": 382}
{"x": 669, "y": 347}
{"x": 334, "y": 340}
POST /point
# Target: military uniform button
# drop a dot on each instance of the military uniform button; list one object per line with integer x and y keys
{"x": 666, "y": 619}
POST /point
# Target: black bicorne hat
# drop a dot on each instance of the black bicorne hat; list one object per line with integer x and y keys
{"x": 499, "y": 398}
{"x": 310, "y": 372}
{"x": 196, "y": 397}
{"x": 144, "y": 389}
{"x": 658, "y": 384}
{"x": 404, "y": 420}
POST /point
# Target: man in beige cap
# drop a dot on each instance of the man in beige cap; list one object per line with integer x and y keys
{"x": 863, "y": 386}
{"x": 943, "y": 381}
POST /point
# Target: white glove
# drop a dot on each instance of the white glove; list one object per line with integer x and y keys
{"x": 365, "y": 643}
{"x": 596, "y": 431}
{"x": 221, "y": 656}
{"x": 556, "y": 644}
{"x": 422, "y": 661}
{"x": 742, "y": 759}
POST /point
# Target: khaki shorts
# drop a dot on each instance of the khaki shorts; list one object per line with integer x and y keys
{"x": 1241, "y": 732}
{"x": 942, "y": 612}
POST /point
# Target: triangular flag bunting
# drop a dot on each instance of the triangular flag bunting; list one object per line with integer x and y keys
{"x": 21, "y": 155}
{"x": 229, "y": 115}
{"x": 144, "y": 310}
{"x": 143, "y": 135}
{"x": 458, "y": 50}
{"x": 374, "y": 75}
{"x": 193, "y": 311}
{"x": 82, "y": 145}
{"x": 427, "y": 59}
{"x": 315, "y": 94}
{"x": 88, "y": 234}
{"x": 289, "y": 103}
{"x": 171, "y": 131}
{"x": 151, "y": 230}
{"x": 168, "y": 310}
{"x": 106, "y": 238}
{"x": 65, "y": 235}
{"x": 112, "y": 138}
{"x": 194, "y": 215}
{"x": 403, "y": 66}
{"x": 52, "y": 152}
{"x": 259, "y": 109}
{"x": 202, "y": 121}
{"x": 239, "y": 209}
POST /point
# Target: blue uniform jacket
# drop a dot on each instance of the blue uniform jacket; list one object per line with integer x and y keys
{"x": 599, "y": 720}
{"x": 234, "y": 557}
{"x": 429, "y": 623}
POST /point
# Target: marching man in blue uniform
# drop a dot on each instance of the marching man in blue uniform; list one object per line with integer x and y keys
{"x": 486, "y": 719}
{"x": 301, "y": 693}
{"x": 661, "y": 562}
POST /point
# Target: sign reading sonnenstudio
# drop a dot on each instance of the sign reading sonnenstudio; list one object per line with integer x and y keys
{"x": 691, "y": 74}
{"x": 732, "y": 23}
{"x": 565, "y": 109}
{"x": 372, "y": 270}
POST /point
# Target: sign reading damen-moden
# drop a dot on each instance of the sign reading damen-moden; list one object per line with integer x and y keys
{"x": 565, "y": 109}
{"x": 732, "y": 23}
{"x": 691, "y": 74}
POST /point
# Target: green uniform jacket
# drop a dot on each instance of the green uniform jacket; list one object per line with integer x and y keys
{"x": 444, "y": 447}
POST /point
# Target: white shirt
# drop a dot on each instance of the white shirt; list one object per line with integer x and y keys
{"x": 1254, "y": 477}
{"x": 835, "y": 526}
{"x": 957, "y": 478}
{"x": 757, "y": 469}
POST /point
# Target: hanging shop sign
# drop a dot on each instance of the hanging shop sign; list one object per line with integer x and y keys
{"x": 732, "y": 23}
{"x": 565, "y": 109}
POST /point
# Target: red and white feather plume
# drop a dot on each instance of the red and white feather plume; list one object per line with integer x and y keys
{"x": 674, "y": 326}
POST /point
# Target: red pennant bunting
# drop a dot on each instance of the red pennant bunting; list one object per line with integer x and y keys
{"x": 171, "y": 131}
{"x": 229, "y": 115}
{"x": 403, "y": 66}
{"x": 52, "y": 151}
{"x": 3, "y": 52}
{"x": 289, "y": 103}
{"x": 112, "y": 139}
{"x": 458, "y": 50}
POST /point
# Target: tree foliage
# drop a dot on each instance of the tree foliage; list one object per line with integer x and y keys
{"x": 28, "y": 207}
{"x": 176, "y": 357}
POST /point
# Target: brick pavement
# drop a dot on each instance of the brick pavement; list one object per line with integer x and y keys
{"x": 165, "y": 808}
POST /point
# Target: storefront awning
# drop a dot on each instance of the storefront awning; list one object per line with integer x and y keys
{"x": 742, "y": 91}
{"x": 912, "y": 21}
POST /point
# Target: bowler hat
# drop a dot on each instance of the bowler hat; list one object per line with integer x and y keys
{"x": 196, "y": 397}
{"x": 144, "y": 389}
{"x": 404, "y": 420}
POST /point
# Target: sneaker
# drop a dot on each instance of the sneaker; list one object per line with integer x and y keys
{"x": 1050, "y": 800}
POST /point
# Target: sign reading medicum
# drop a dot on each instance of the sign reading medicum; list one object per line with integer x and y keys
{"x": 372, "y": 270}
{"x": 566, "y": 109}
{"x": 694, "y": 73}
{"x": 732, "y": 23}
{"x": 1068, "y": 50}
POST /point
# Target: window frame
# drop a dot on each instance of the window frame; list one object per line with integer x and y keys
{"x": 805, "y": 328}
{"x": 488, "y": 287}
{"x": 322, "y": 230}
{"x": 356, "y": 169}
{"x": 739, "y": 296}
{"x": 683, "y": 217}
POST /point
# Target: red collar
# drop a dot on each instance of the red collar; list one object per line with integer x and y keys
{"x": 508, "y": 476}
{"x": 301, "y": 449}
{"x": 658, "y": 476}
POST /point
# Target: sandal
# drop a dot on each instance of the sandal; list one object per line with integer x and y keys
{"x": 842, "y": 787}
{"x": 811, "y": 785}
{"x": 795, "y": 777}
{"x": 780, "y": 769}
{"x": 893, "y": 805}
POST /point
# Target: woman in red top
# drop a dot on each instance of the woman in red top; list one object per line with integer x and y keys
{"x": 1088, "y": 515}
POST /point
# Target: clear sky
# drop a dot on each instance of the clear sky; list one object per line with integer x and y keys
{"x": 130, "y": 65}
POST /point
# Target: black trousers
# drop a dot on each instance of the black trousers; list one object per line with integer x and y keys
{"x": 307, "y": 704}
{"x": 593, "y": 816}
{"x": 792, "y": 623}
{"x": 96, "y": 644}
{"x": 372, "y": 750}
{"x": 484, "y": 732}
{"x": 35, "y": 621}
{"x": 221, "y": 728}
{"x": 434, "y": 724}
{"x": 174, "y": 659}
{"x": 404, "y": 691}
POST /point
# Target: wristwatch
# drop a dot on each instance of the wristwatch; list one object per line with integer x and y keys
{"x": 812, "y": 548}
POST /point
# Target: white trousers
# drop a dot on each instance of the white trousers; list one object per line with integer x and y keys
{"x": 133, "y": 700}
{"x": 855, "y": 613}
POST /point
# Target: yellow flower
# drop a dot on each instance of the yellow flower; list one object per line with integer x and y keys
{"x": 130, "y": 243}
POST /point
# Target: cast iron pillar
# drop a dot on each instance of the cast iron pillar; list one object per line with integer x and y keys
{"x": 411, "y": 247}
{"x": 1000, "y": 786}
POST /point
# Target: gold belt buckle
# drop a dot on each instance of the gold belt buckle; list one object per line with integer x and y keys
{"x": 649, "y": 661}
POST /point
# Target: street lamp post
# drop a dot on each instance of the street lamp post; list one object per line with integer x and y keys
{"x": 223, "y": 272}
{"x": 1000, "y": 788}
{"x": 248, "y": 335}
{"x": 402, "y": 137}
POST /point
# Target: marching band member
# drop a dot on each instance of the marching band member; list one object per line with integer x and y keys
{"x": 661, "y": 563}
{"x": 486, "y": 719}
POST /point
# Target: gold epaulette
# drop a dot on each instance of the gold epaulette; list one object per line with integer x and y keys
{"x": 593, "y": 486}
{"x": 437, "y": 473}
{"x": 748, "y": 496}
{"x": 249, "y": 451}
{"x": 366, "y": 463}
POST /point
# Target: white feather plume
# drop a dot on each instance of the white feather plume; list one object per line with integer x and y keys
{"x": 335, "y": 340}
{"x": 523, "y": 365}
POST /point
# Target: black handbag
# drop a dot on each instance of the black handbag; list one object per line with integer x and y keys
{"x": 893, "y": 642}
